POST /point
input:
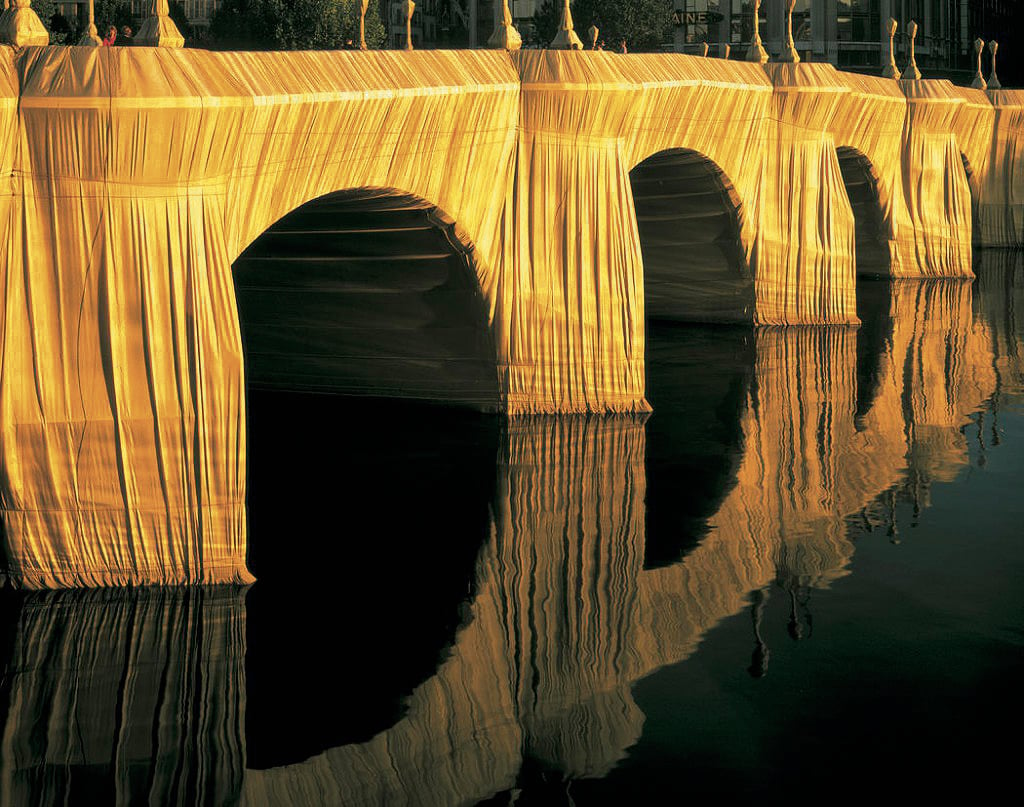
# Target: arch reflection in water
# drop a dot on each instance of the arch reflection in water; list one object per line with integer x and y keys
{"x": 999, "y": 305}
{"x": 123, "y": 696}
{"x": 566, "y": 618}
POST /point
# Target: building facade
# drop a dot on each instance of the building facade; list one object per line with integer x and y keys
{"x": 851, "y": 34}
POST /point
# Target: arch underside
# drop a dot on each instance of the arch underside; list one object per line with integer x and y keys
{"x": 367, "y": 292}
{"x": 976, "y": 239}
{"x": 688, "y": 216}
{"x": 873, "y": 258}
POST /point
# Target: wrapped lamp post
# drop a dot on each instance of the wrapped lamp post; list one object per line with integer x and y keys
{"x": 362, "y": 24}
{"x": 789, "y": 54}
{"x": 911, "y": 73}
{"x": 159, "y": 30}
{"x": 993, "y": 79}
{"x": 505, "y": 36}
{"x": 409, "y": 8}
{"x": 566, "y": 38}
{"x": 21, "y": 26}
{"x": 891, "y": 70}
{"x": 979, "y": 79}
{"x": 91, "y": 36}
{"x": 756, "y": 51}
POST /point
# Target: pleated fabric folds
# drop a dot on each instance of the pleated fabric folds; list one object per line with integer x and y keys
{"x": 136, "y": 177}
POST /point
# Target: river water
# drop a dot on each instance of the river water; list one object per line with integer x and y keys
{"x": 799, "y": 578}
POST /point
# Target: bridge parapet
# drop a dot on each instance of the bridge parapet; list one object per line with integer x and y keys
{"x": 587, "y": 120}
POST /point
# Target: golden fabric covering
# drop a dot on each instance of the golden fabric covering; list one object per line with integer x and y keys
{"x": 1000, "y": 201}
{"x": 123, "y": 398}
{"x": 139, "y": 175}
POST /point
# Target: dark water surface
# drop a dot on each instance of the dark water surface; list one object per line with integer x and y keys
{"x": 800, "y": 579}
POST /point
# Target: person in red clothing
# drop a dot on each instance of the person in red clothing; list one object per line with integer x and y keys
{"x": 111, "y": 36}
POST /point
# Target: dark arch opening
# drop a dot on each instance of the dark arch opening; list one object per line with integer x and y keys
{"x": 975, "y": 224}
{"x": 699, "y": 300}
{"x": 861, "y": 183}
{"x": 365, "y": 516}
{"x": 688, "y": 216}
{"x": 368, "y": 292}
{"x": 874, "y": 295}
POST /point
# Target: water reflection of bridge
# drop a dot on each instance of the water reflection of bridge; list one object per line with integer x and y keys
{"x": 565, "y": 617}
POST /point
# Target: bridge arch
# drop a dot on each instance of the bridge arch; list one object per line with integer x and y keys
{"x": 367, "y": 292}
{"x": 690, "y": 222}
{"x": 862, "y": 183}
{"x": 972, "y": 184}
{"x": 695, "y": 270}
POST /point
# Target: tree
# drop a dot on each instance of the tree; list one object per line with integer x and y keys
{"x": 53, "y": 22}
{"x": 546, "y": 19}
{"x": 65, "y": 31}
{"x": 293, "y": 24}
{"x": 644, "y": 24}
{"x": 112, "y": 12}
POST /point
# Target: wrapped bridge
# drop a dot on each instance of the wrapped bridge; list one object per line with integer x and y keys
{"x": 475, "y": 227}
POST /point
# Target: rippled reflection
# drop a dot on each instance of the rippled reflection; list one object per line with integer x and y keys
{"x": 142, "y": 692}
{"x": 118, "y": 697}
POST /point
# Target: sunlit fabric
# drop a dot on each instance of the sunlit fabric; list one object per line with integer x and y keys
{"x": 122, "y": 401}
{"x": 139, "y": 175}
{"x": 1000, "y": 187}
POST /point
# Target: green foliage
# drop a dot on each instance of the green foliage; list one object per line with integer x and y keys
{"x": 46, "y": 11}
{"x": 66, "y": 31}
{"x": 644, "y": 24}
{"x": 176, "y": 11}
{"x": 112, "y": 12}
{"x": 293, "y": 24}
{"x": 546, "y": 19}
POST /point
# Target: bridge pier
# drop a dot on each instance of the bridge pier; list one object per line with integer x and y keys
{"x": 935, "y": 187}
{"x": 805, "y": 258}
{"x": 123, "y": 400}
